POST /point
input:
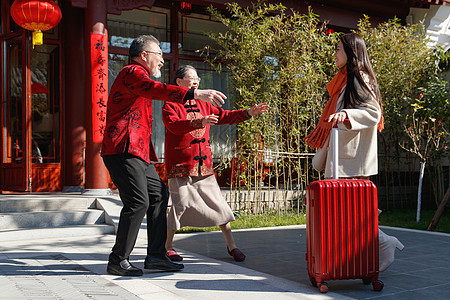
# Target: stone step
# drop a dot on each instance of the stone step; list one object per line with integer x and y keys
{"x": 65, "y": 231}
{"x": 51, "y": 219}
{"x": 44, "y": 203}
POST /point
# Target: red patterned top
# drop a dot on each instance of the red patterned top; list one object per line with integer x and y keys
{"x": 129, "y": 111}
{"x": 187, "y": 147}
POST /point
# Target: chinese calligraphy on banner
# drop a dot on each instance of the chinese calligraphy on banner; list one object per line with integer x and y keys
{"x": 99, "y": 65}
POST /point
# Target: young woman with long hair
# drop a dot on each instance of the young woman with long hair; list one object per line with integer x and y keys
{"x": 354, "y": 96}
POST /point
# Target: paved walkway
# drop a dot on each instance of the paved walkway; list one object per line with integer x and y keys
{"x": 75, "y": 268}
{"x": 275, "y": 268}
{"x": 420, "y": 271}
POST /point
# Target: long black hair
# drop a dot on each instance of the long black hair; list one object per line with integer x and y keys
{"x": 358, "y": 63}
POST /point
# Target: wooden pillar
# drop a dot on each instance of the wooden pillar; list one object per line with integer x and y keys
{"x": 73, "y": 94}
{"x": 96, "y": 182}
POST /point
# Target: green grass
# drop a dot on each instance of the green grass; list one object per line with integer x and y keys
{"x": 404, "y": 218}
{"x": 407, "y": 219}
{"x": 271, "y": 219}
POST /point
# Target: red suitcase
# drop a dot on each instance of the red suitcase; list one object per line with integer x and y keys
{"x": 342, "y": 231}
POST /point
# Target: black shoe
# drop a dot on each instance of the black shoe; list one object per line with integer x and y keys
{"x": 162, "y": 264}
{"x": 122, "y": 267}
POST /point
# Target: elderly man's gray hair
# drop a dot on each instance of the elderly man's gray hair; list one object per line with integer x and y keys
{"x": 138, "y": 45}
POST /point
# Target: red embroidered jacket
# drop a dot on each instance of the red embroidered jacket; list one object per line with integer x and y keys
{"x": 129, "y": 111}
{"x": 187, "y": 147}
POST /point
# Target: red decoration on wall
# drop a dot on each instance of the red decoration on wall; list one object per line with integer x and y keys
{"x": 37, "y": 16}
{"x": 99, "y": 75}
{"x": 329, "y": 31}
{"x": 185, "y": 7}
{"x": 39, "y": 88}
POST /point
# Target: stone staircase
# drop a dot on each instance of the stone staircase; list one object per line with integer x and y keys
{"x": 27, "y": 217}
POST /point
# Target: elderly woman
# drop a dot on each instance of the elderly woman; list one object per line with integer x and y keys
{"x": 196, "y": 197}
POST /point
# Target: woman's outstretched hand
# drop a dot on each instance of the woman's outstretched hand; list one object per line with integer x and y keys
{"x": 258, "y": 109}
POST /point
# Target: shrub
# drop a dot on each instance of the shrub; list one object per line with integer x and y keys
{"x": 285, "y": 58}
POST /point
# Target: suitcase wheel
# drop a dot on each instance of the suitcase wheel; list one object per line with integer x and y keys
{"x": 313, "y": 282}
{"x": 367, "y": 280}
{"x": 378, "y": 285}
{"x": 323, "y": 287}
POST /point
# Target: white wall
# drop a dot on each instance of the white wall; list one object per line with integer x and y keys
{"x": 436, "y": 21}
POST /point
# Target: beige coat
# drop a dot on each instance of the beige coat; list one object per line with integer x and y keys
{"x": 357, "y": 141}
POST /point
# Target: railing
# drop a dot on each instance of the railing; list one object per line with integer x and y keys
{"x": 280, "y": 184}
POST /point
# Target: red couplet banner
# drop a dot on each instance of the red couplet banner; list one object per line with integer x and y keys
{"x": 99, "y": 76}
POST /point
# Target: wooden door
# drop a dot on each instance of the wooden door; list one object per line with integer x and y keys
{"x": 45, "y": 118}
{"x": 30, "y": 116}
{"x": 16, "y": 134}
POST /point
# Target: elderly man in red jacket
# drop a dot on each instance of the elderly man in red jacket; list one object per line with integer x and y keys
{"x": 127, "y": 152}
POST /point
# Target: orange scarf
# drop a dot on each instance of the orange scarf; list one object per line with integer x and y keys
{"x": 319, "y": 135}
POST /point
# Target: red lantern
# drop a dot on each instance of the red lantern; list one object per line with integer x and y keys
{"x": 36, "y": 15}
{"x": 185, "y": 7}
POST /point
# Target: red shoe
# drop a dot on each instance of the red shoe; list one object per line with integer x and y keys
{"x": 173, "y": 255}
{"x": 237, "y": 254}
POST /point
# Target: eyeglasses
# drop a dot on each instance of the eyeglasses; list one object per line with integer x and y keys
{"x": 193, "y": 79}
{"x": 154, "y": 52}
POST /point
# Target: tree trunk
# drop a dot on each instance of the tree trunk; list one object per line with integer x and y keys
{"x": 419, "y": 190}
{"x": 439, "y": 211}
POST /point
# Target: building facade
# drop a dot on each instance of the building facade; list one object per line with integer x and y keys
{"x": 52, "y": 97}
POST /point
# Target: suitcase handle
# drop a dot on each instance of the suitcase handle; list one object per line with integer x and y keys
{"x": 334, "y": 144}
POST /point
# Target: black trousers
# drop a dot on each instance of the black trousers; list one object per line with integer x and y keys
{"x": 142, "y": 192}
